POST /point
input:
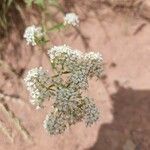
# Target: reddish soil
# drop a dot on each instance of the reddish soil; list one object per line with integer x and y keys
{"x": 123, "y": 95}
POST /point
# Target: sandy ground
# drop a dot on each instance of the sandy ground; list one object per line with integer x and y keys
{"x": 123, "y": 95}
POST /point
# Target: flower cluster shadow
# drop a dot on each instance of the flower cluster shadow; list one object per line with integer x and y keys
{"x": 131, "y": 124}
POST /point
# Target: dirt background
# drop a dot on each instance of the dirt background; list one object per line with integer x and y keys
{"x": 120, "y": 30}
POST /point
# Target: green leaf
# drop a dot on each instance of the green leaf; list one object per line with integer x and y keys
{"x": 9, "y": 2}
{"x": 54, "y": 2}
{"x": 39, "y": 2}
{"x": 29, "y": 2}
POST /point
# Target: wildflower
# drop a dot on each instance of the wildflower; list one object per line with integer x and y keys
{"x": 38, "y": 83}
{"x": 91, "y": 112}
{"x": 94, "y": 64}
{"x": 71, "y": 19}
{"x": 65, "y": 56}
{"x": 66, "y": 99}
{"x": 33, "y": 35}
{"x": 55, "y": 123}
{"x": 79, "y": 79}
{"x": 72, "y": 70}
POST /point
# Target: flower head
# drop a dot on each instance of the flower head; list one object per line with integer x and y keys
{"x": 72, "y": 69}
{"x": 66, "y": 99}
{"x": 79, "y": 79}
{"x": 71, "y": 19}
{"x": 55, "y": 123}
{"x": 33, "y": 34}
{"x": 91, "y": 113}
{"x": 94, "y": 64}
{"x": 38, "y": 83}
{"x": 66, "y": 56}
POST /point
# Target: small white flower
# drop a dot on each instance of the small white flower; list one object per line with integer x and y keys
{"x": 55, "y": 123}
{"x": 31, "y": 33}
{"x": 94, "y": 56}
{"x": 38, "y": 82}
{"x": 91, "y": 112}
{"x": 79, "y": 79}
{"x": 65, "y": 55}
{"x": 38, "y": 107}
{"x": 71, "y": 19}
{"x": 66, "y": 99}
{"x": 94, "y": 64}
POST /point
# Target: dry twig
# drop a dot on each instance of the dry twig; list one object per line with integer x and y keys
{"x": 6, "y": 132}
{"x": 11, "y": 117}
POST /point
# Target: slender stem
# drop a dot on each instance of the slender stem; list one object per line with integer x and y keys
{"x": 58, "y": 27}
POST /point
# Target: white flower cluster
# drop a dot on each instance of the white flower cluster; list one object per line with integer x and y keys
{"x": 94, "y": 64}
{"x": 91, "y": 112}
{"x": 38, "y": 83}
{"x": 66, "y": 98}
{"x": 70, "y": 109}
{"x": 35, "y": 35}
{"x": 65, "y": 57}
{"x": 32, "y": 34}
{"x": 81, "y": 66}
{"x": 71, "y": 19}
{"x": 79, "y": 79}
{"x": 72, "y": 71}
{"x": 55, "y": 123}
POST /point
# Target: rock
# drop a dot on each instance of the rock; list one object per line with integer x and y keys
{"x": 129, "y": 145}
{"x": 123, "y": 3}
{"x": 145, "y": 9}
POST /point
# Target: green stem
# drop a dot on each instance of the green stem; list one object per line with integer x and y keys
{"x": 56, "y": 27}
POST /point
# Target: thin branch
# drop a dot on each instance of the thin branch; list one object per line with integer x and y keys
{"x": 6, "y": 132}
{"x": 11, "y": 116}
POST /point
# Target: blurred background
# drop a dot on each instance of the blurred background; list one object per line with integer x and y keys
{"x": 120, "y": 30}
